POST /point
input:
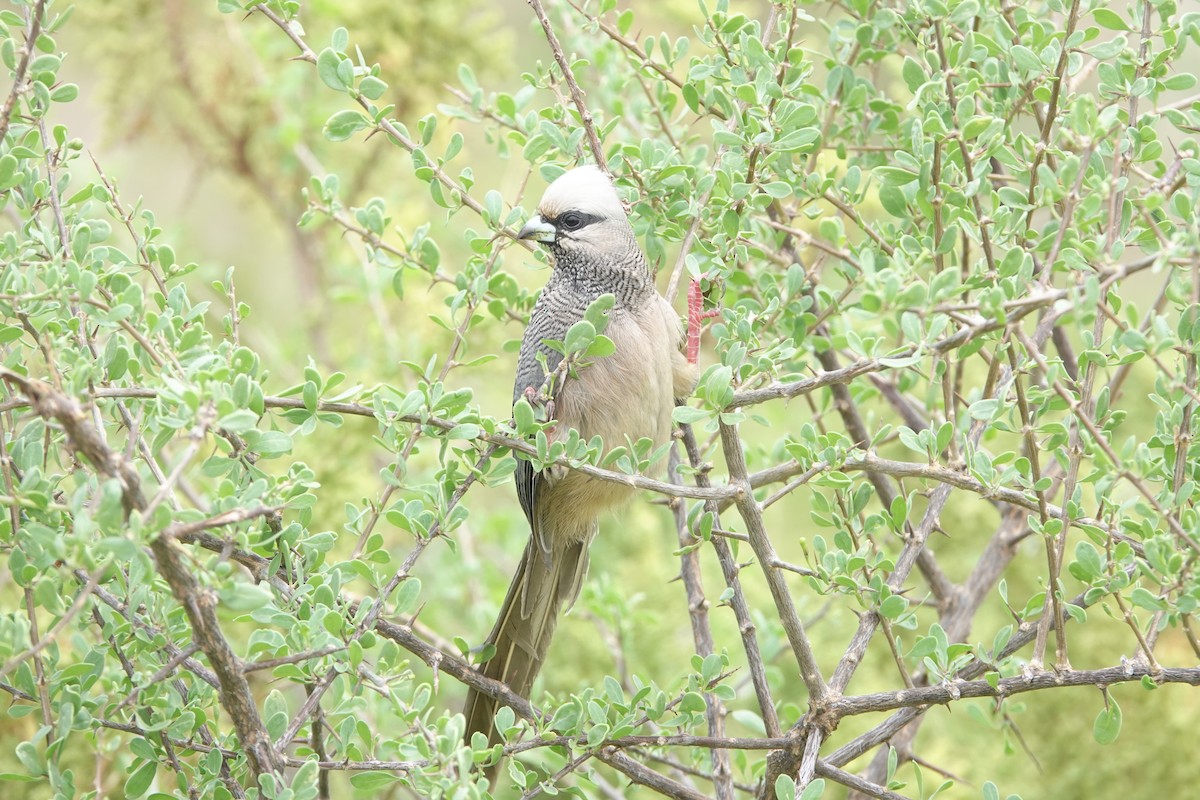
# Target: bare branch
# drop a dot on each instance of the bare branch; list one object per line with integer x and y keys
{"x": 689, "y": 571}
{"x": 737, "y": 600}
{"x": 645, "y": 776}
{"x": 764, "y": 552}
{"x": 963, "y": 690}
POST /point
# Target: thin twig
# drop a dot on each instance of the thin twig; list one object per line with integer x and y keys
{"x": 32, "y": 32}
{"x": 577, "y": 97}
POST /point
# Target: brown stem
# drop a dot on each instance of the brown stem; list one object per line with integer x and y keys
{"x": 737, "y": 601}
{"x": 689, "y": 571}
{"x": 764, "y": 552}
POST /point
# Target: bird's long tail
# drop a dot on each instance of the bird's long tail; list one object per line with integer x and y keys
{"x": 544, "y": 583}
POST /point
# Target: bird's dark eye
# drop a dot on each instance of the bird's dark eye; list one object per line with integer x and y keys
{"x": 571, "y": 221}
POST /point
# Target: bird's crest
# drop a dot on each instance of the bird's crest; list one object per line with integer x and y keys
{"x": 585, "y": 189}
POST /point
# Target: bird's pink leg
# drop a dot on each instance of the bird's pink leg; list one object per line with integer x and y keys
{"x": 696, "y": 317}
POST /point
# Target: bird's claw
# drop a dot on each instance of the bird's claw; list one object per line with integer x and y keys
{"x": 536, "y": 400}
{"x": 696, "y": 317}
{"x": 554, "y": 473}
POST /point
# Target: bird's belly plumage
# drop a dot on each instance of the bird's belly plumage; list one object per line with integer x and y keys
{"x": 628, "y": 394}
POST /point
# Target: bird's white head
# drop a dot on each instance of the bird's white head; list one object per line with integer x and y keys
{"x": 581, "y": 208}
{"x": 585, "y": 189}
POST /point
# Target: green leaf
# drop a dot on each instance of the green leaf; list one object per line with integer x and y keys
{"x": 688, "y": 415}
{"x": 344, "y": 124}
{"x": 372, "y": 88}
{"x": 373, "y": 780}
{"x": 692, "y": 702}
{"x": 602, "y": 346}
{"x": 1143, "y": 598}
{"x": 778, "y": 189}
{"x": 893, "y": 607}
{"x": 328, "y": 62}
{"x": 814, "y": 790}
{"x": 1025, "y": 58}
{"x": 8, "y": 168}
{"x": 467, "y": 430}
{"x": 268, "y": 444}
{"x": 625, "y": 21}
{"x": 727, "y": 138}
{"x": 597, "y": 734}
{"x": 785, "y": 787}
{"x": 454, "y": 147}
{"x": 505, "y": 718}
{"x": 467, "y": 78}
{"x": 493, "y": 206}
{"x": 913, "y": 74}
{"x": 523, "y": 417}
{"x": 1110, "y": 19}
{"x": 242, "y": 596}
{"x": 142, "y": 749}
{"x": 1088, "y": 561}
{"x": 1179, "y": 82}
{"x": 893, "y": 201}
{"x": 800, "y": 139}
{"x": 597, "y": 311}
{"x": 895, "y": 176}
{"x": 141, "y": 778}
{"x": 65, "y": 93}
{"x": 340, "y": 39}
{"x": 406, "y": 597}
{"x": 10, "y": 333}
{"x": 238, "y": 422}
{"x": 1108, "y": 723}
{"x": 984, "y": 410}
{"x": 31, "y": 758}
{"x": 579, "y": 337}
{"x": 1109, "y": 49}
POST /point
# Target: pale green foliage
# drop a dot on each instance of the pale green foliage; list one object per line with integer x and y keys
{"x": 968, "y": 255}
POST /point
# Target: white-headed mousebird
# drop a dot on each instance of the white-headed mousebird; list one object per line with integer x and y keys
{"x": 629, "y": 393}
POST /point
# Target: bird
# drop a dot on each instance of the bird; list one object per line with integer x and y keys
{"x": 628, "y": 393}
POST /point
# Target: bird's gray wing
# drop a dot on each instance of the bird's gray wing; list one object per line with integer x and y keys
{"x": 556, "y": 310}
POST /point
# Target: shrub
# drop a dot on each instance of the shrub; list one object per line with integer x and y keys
{"x": 953, "y": 251}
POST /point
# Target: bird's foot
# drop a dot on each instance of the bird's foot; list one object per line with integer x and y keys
{"x": 696, "y": 317}
{"x": 537, "y": 400}
{"x": 554, "y": 473}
